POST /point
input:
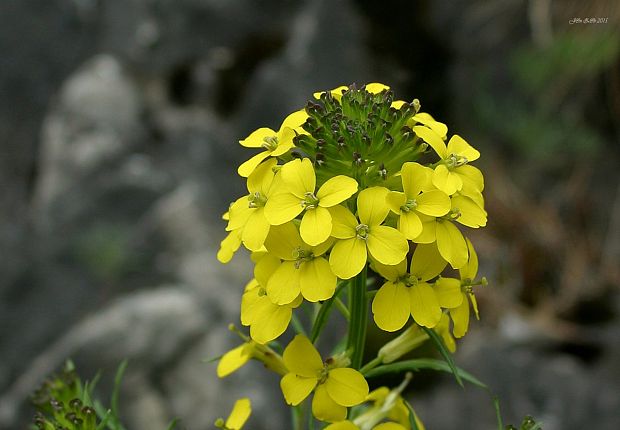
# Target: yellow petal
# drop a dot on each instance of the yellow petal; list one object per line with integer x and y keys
{"x": 261, "y": 178}
{"x": 432, "y": 138}
{"x": 238, "y": 213}
{"x": 425, "y": 309}
{"x": 265, "y": 267}
{"x": 390, "y": 306}
{"x": 471, "y": 214}
{"x": 447, "y": 181}
{"x": 389, "y": 426}
{"x": 460, "y": 318}
{"x": 343, "y": 222}
{"x": 257, "y": 137}
{"x": 376, "y": 88}
{"x": 471, "y": 176}
{"x": 391, "y": 273}
{"x": 283, "y": 286}
{"x": 474, "y": 304}
{"x": 255, "y": 230}
{"x": 317, "y": 282}
{"x": 298, "y": 175}
{"x": 429, "y": 226}
{"x": 269, "y": 320}
{"x": 283, "y": 240}
{"x": 295, "y": 119}
{"x": 438, "y": 127}
{"x": 285, "y": 141}
{"x": 348, "y": 257}
{"x": 282, "y": 207}
{"x": 249, "y": 302}
{"x": 248, "y": 166}
{"x": 426, "y": 262}
{"x": 324, "y": 408}
{"x": 458, "y": 146}
{"x": 336, "y": 92}
{"x": 394, "y": 200}
{"x": 229, "y": 246}
{"x": 409, "y": 225}
{"x": 296, "y": 388}
{"x": 415, "y": 178}
{"x": 239, "y": 415}
{"x": 448, "y": 292}
{"x": 316, "y": 226}
{"x": 433, "y": 203}
{"x": 346, "y": 386}
{"x": 397, "y": 104}
{"x": 302, "y": 358}
{"x": 233, "y": 360}
{"x": 387, "y": 245}
{"x": 336, "y": 190}
{"x": 371, "y": 205}
{"x": 451, "y": 244}
{"x": 342, "y": 425}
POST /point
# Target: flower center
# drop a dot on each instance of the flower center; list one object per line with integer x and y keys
{"x": 270, "y": 143}
{"x": 310, "y": 201}
{"x": 409, "y": 205}
{"x": 256, "y": 200}
{"x": 455, "y": 161}
{"x": 362, "y": 231}
{"x": 409, "y": 280}
{"x": 301, "y": 255}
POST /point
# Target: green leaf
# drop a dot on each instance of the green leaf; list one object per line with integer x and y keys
{"x": 498, "y": 413}
{"x": 412, "y": 421}
{"x": 172, "y": 424}
{"x": 441, "y": 347}
{"x": 115, "y": 394}
{"x": 423, "y": 364}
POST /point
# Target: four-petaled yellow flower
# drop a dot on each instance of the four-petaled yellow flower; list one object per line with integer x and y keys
{"x": 408, "y": 293}
{"x": 418, "y": 197}
{"x": 303, "y": 270}
{"x": 274, "y": 143}
{"x": 298, "y": 195}
{"x": 358, "y": 238}
{"x": 335, "y": 388}
{"x": 348, "y": 425}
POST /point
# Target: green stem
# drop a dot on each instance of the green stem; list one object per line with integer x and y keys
{"x": 358, "y": 309}
{"x": 342, "y": 308}
{"x": 371, "y": 364}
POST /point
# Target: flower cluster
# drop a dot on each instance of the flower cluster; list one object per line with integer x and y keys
{"x": 355, "y": 183}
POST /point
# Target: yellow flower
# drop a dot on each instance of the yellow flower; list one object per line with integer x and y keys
{"x": 336, "y": 92}
{"x": 266, "y": 319}
{"x": 304, "y": 269}
{"x": 417, "y": 197}
{"x": 460, "y": 314}
{"x": 274, "y": 143}
{"x": 239, "y": 415}
{"x": 408, "y": 293}
{"x": 453, "y": 169}
{"x": 358, "y": 238}
{"x": 335, "y": 388}
{"x": 467, "y": 211}
{"x": 247, "y": 213}
{"x": 299, "y": 196}
{"x": 425, "y": 119}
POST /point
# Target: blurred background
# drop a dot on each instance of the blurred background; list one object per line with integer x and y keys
{"x": 119, "y": 123}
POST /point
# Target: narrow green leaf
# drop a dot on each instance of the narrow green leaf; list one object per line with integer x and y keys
{"x": 115, "y": 393}
{"x": 498, "y": 413}
{"x": 412, "y": 421}
{"x": 173, "y": 424}
{"x": 211, "y": 360}
{"x": 422, "y": 364}
{"x": 441, "y": 347}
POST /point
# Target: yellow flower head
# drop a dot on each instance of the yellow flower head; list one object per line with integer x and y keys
{"x": 335, "y": 388}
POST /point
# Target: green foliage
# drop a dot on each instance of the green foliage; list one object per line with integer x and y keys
{"x": 528, "y": 423}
